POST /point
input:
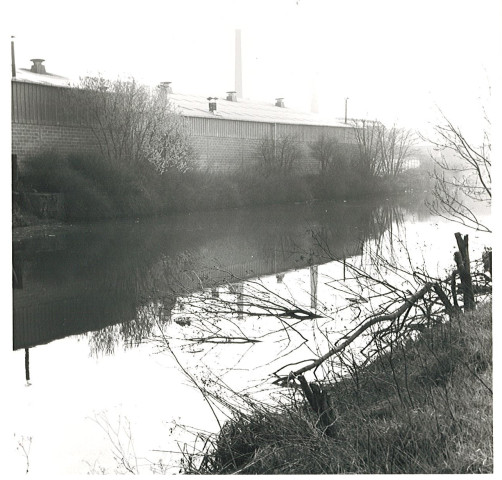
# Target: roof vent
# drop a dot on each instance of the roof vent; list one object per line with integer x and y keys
{"x": 212, "y": 103}
{"x": 37, "y": 66}
{"x": 166, "y": 87}
{"x": 232, "y": 96}
{"x": 279, "y": 102}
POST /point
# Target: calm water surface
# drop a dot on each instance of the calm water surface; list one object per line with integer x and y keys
{"x": 105, "y": 316}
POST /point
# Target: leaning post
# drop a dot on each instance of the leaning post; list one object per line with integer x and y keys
{"x": 464, "y": 269}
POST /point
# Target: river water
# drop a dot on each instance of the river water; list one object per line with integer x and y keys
{"x": 113, "y": 322}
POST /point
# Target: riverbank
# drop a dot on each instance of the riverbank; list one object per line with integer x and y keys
{"x": 27, "y": 226}
{"x": 89, "y": 189}
{"x": 40, "y": 229}
{"x": 423, "y": 407}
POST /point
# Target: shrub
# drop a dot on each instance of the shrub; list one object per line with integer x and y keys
{"x": 97, "y": 188}
{"x": 94, "y": 188}
{"x": 134, "y": 124}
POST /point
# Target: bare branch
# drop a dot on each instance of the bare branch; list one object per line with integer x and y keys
{"x": 365, "y": 326}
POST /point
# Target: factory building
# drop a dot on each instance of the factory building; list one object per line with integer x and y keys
{"x": 226, "y": 130}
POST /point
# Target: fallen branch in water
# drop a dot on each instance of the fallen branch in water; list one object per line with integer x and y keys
{"x": 223, "y": 339}
{"x": 365, "y": 326}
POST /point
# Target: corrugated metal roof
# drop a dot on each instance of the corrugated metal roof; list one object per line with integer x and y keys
{"x": 247, "y": 110}
{"x": 198, "y": 105}
{"x": 25, "y": 75}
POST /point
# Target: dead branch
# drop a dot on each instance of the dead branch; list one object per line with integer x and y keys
{"x": 365, "y": 326}
{"x": 223, "y": 339}
{"x": 450, "y": 309}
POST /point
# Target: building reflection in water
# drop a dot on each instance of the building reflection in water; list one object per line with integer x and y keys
{"x": 117, "y": 279}
{"x": 314, "y": 277}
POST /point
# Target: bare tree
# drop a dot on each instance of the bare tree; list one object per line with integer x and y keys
{"x": 367, "y": 134}
{"x": 382, "y": 150}
{"x": 279, "y": 154}
{"x": 463, "y": 173}
{"x": 327, "y": 152}
{"x": 133, "y": 123}
{"x": 396, "y": 145}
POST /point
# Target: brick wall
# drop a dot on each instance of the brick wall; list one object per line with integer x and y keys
{"x": 30, "y": 139}
{"x": 219, "y": 154}
{"x": 215, "y": 154}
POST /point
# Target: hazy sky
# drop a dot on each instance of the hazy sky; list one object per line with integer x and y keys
{"x": 394, "y": 59}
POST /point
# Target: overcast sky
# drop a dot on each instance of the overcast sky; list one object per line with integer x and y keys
{"x": 393, "y": 59}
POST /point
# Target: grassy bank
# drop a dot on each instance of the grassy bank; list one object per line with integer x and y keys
{"x": 423, "y": 407}
{"x": 95, "y": 189}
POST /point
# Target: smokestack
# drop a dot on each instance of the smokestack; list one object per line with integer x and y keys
{"x": 13, "y": 57}
{"x": 37, "y": 66}
{"x": 238, "y": 64}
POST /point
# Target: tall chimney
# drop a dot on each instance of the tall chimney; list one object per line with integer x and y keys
{"x": 238, "y": 64}
{"x": 37, "y": 66}
{"x": 13, "y": 57}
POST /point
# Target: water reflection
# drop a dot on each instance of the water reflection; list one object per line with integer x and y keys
{"x": 314, "y": 278}
{"x": 118, "y": 279}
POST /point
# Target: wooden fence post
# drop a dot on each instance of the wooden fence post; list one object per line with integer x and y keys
{"x": 464, "y": 270}
{"x": 319, "y": 401}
